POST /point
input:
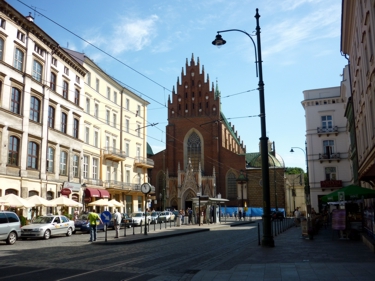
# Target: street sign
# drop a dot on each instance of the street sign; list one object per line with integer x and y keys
{"x": 106, "y": 217}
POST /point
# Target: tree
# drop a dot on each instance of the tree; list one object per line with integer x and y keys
{"x": 293, "y": 171}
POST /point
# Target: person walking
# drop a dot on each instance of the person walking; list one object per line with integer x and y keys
{"x": 117, "y": 222}
{"x": 190, "y": 214}
{"x": 297, "y": 217}
{"x": 92, "y": 218}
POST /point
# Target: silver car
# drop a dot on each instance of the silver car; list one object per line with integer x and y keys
{"x": 46, "y": 226}
{"x": 139, "y": 218}
{"x": 10, "y": 227}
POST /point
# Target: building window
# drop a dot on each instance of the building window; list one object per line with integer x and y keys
{"x": 127, "y": 104}
{"x": 127, "y": 176}
{"x": 114, "y": 144}
{"x": 97, "y": 85}
{"x": 64, "y": 122}
{"x": 34, "y": 109}
{"x": 127, "y": 149}
{"x": 328, "y": 148}
{"x": 87, "y": 105}
{"x": 76, "y": 128}
{"x": 327, "y": 122}
{"x": 115, "y": 174}
{"x": 194, "y": 150}
{"x": 88, "y": 78}
{"x": 65, "y": 90}
{"x": 108, "y": 173}
{"x": 87, "y": 135}
{"x": 139, "y": 110}
{"x": 18, "y": 59}
{"x": 1, "y": 48}
{"x": 114, "y": 120}
{"x": 16, "y": 101}
{"x": 50, "y": 160}
{"x": 20, "y": 36}
{"x": 231, "y": 186}
{"x": 108, "y": 93}
{"x": 96, "y": 112}
{"x": 37, "y": 71}
{"x": 127, "y": 125}
{"x": 138, "y": 130}
{"x": 94, "y": 168}
{"x": 107, "y": 142}
{"x": 115, "y": 97}
{"x": 85, "y": 166}
{"x": 2, "y": 23}
{"x": 96, "y": 138}
{"x": 66, "y": 70}
{"x": 52, "y": 83}
{"x": 63, "y": 162}
{"x": 330, "y": 173}
{"x": 76, "y": 97}
{"x": 54, "y": 61}
{"x": 78, "y": 80}
{"x": 75, "y": 165}
{"x": 107, "y": 117}
{"x": 14, "y": 146}
{"x": 32, "y": 155}
{"x": 38, "y": 50}
{"x": 51, "y": 117}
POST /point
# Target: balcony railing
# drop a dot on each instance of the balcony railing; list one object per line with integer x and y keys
{"x": 329, "y": 157}
{"x": 328, "y": 131}
{"x": 112, "y": 153}
{"x": 96, "y": 182}
{"x": 144, "y": 162}
{"x": 122, "y": 185}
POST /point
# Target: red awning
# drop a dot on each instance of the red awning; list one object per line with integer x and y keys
{"x": 104, "y": 193}
{"x": 92, "y": 192}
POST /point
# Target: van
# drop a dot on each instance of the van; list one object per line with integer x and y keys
{"x": 10, "y": 227}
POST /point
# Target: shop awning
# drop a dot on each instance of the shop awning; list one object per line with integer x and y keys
{"x": 92, "y": 192}
{"x": 103, "y": 193}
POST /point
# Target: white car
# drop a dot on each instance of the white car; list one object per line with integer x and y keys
{"x": 139, "y": 217}
{"x": 166, "y": 216}
{"x": 46, "y": 226}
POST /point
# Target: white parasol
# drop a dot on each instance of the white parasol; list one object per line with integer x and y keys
{"x": 116, "y": 203}
{"x": 13, "y": 200}
{"x": 101, "y": 202}
{"x": 65, "y": 201}
{"x": 40, "y": 201}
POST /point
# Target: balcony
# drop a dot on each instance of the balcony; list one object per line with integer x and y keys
{"x": 330, "y": 184}
{"x": 328, "y": 131}
{"x": 329, "y": 157}
{"x": 119, "y": 185}
{"x": 142, "y": 162}
{"x": 114, "y": 154}
{"x": 96, "y": 182}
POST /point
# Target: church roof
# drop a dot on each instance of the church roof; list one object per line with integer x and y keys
{"x": 254, "y": 160}
{"x": 229, "y": 127}
{"x": 149, "y": 150}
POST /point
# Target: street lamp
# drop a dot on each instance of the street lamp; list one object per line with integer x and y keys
{"x": 267, "y": 240}
{"x": 307, "y": 183}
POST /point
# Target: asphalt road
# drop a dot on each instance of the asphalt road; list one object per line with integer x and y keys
{"x": 171, "y": 258}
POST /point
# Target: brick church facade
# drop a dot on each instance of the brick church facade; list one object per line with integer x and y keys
{"x": 204, "y": 153}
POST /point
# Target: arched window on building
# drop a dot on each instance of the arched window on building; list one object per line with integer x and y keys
{"x": 231, "y": 186}
{"x": 194, "y": 150}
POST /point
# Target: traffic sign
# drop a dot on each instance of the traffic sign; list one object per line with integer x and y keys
{"x": 106, "y": 216}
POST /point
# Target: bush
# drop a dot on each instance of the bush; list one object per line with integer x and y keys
{"x": 69, "y": 216}
{"x": 23, "y": 220}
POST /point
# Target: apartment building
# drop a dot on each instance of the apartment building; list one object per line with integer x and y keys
{"x": 357, "y": 44}
{"x": 327, "y": 142}
{"x": 41, "y": 89}
{"x": 114, "y": 163}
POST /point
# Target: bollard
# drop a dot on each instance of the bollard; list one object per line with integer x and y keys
{"x": 154, "y": 226}
{"x": 133, "y": 230}
{"x": 258, "y": 234}
{"x": 141, "y": 227}
{"x": 274, "y": 228}
{"x": 125, "y": 229}
{"x": 160, "y": 224}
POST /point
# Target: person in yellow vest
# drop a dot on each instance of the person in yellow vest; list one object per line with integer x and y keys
{"x": 92, "y": 219}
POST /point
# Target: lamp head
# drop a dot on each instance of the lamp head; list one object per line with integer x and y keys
{"x": 291, "y": 150}
{"x": 219, "y": 41}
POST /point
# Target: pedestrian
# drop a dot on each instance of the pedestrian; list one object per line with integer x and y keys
{"x": 117, "y": 222}
{"x": 92, "y": 218}
{"x": 76, "y": 213}
{"x": 297, "y": 217}
{"x": 239, "y": 214}
{"x": 190, "y": 213}
{"x": 182, "y": 216}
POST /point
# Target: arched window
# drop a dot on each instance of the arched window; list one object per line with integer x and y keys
{"x": 50, "y": 159}
{"x": 231, "y": 186}
{"x": 15, "y": 104}
{"x": 32, "y": 155}
{"x": 14, "y": 146}
{"x": 33, "y": 192}
{"x": 194, "y": 150}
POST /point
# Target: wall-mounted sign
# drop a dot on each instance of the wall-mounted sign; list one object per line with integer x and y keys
{"x": 75, "y": 187}
{"x": 65, "y": 191}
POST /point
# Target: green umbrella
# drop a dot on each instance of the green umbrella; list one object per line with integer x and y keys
{"x": 351, "y": 192}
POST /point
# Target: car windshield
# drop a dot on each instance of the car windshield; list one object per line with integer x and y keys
{"x": 154, "y": 214}
{"x": 164, "y": 214}
{"x": 43, "y": 220}
{"x": 83, "y": 217}
{"x": 137, "y": 215}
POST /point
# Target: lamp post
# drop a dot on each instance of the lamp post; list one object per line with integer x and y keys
{"x": 307, "y": 183}
{"x": 267, "y": 240}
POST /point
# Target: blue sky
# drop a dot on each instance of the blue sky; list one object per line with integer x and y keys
{"x": 300, "y": 51}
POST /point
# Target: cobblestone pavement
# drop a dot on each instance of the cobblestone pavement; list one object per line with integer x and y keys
{"x": 208, "y": 252}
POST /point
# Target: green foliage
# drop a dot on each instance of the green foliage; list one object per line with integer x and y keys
{"x": 23, "y": 220}
{"x": 294, "y": 171}
{"x": 69, "y": 216}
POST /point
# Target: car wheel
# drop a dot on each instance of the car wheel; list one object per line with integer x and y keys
{"x": 70, "y": 231}
{"x": 47, "y": 234}
{"x": 75, "y": 231}
{"x": 12, "y": 238}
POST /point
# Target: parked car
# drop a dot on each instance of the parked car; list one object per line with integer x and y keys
{"x": 46, "y": 226}
{"x": 139, "y": 217}
{"x": 155, "y": 216}
{"x": 166, "y": 216}
{"x": 124, "y": 219}
{"x": 82, "y": 225}
{"x": 10, "y": 227}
